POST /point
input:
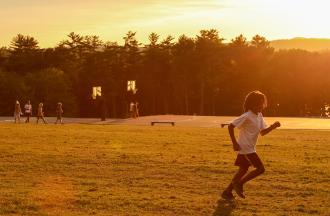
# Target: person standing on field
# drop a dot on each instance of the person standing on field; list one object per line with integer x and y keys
{"x": 59, "y": 112}
{"x": 250, "y": 124}
{"x": 136, "y": 110}
{"x": 17, "y": 112}
{"x": 28, "y": 111}
{"x": 41, "y": 113}
{"x": 131, "y": 109}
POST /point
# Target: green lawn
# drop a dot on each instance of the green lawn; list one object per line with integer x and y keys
{"x": 160, "y": 170}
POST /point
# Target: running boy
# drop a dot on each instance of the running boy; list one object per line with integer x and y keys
{"x": 250, "y": 124}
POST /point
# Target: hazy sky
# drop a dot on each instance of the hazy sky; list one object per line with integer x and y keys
{"x": 49, "y": 21}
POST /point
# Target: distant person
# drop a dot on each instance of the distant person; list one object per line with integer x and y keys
{"x": 28, "y": 111}
{"x": 250, "y": 124}
{"x": 59, "y": 112}
{"x": 136, "y": 110}
{"x": 40, "y": 114}
{"x": 103, "y": 108}
{"x": 131, "y": 109}
{"x": 17, "y": 112}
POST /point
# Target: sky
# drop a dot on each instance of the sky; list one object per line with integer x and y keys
{"x": 49, "y": 21}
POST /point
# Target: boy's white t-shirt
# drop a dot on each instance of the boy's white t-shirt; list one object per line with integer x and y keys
{"x": 249, "y": 125}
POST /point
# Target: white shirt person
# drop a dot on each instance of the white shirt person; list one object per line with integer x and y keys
{"x": 250, "y": 125}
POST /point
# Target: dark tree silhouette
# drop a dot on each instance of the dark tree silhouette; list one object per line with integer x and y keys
{"x": 199, "y": 75}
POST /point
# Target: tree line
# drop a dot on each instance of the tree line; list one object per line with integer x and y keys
{"x": 191, "y": 75}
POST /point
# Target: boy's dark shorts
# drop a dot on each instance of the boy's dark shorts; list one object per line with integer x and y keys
{"x": 246, "y": 160}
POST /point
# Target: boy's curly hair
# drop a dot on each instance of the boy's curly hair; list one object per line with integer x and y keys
{"x": 253, "y": 99}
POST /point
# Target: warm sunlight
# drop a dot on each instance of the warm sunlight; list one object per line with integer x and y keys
{"x": 110, "y": 20}
{"x": 297, "y": 17}
{"x": 164, "y": 107}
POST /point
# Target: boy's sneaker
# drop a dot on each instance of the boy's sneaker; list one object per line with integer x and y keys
{"x": 227, "y": 195}
{"x": 238, "y": 187}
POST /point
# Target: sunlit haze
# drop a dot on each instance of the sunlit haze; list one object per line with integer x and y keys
{"x": 50, "y": 21}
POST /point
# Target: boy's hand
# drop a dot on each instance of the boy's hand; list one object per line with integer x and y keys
{"x": 276, "y": 124}
{"x": 236, "y": 147}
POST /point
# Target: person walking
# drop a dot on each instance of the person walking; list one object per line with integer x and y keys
{"x": 17, "y": 112}
{"x": 59, "y": 112}
{"x": 40, "y": 114}
{"x": 28, "y": 111}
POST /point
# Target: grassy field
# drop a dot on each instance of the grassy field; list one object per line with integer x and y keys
{"x": 142, "y": 170}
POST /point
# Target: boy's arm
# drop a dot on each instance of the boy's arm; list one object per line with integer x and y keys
{"x": 270, "y": 128}
{"x": 236, "y": 146}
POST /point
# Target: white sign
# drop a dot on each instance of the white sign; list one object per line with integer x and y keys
{"x": 131, "y": 85}
{"x": 97, "y": 91}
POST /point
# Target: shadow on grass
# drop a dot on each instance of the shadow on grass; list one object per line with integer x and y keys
{"x": 224, "y": 207}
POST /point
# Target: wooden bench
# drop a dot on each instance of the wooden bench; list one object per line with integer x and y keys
{"x": 162, "y": 122}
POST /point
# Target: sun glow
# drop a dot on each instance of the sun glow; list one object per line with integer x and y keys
{"x": 293, "y": 18}
{"x": 109, "y": 19}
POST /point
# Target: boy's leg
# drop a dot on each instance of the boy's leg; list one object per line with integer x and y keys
{"x": 244, "y": 165}
{"x": 253, "y": 174}
{"x": 240, "y": 173}
{"x": 235, "y": 184}
{"x": 227, "y": 193}
{"x": 257, "y": 163}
